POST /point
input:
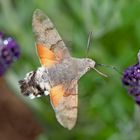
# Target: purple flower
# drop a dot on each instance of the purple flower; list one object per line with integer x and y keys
{"x": 13, "y": 47}
{"x": 137, "y": 100}
{"x": 9, "y": 51}
{"x": 131, "y": 79}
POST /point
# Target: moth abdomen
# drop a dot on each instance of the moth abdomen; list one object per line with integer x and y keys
{"x": 35, "y": 84}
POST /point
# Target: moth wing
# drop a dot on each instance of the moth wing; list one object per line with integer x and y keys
{"x": 65, "y": 103}
{"x": 50, "y": 47}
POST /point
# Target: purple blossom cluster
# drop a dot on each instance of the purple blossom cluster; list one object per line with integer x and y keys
{"x": 131, "y": 79}
{"x": 9, "y": 51}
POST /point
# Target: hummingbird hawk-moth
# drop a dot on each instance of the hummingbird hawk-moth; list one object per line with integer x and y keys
{"x": 59, "y": 72}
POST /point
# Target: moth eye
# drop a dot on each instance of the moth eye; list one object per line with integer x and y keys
{"x": 88, "y": 68}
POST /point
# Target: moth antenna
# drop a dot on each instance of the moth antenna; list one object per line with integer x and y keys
{"x": 89, "y": 42}
{"x": 100, "y": 72}
{"x": 113, "y": 67}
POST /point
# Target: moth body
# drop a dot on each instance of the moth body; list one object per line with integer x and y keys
{"x": 39, "y": 82}
{"x": 59, "y": 72}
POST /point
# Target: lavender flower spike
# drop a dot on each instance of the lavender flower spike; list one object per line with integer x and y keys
{"x": 9, "y": 51}
{"x": 131, "y": 79}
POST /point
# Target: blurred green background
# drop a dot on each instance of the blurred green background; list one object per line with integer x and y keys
{"x": 106, "y": 112}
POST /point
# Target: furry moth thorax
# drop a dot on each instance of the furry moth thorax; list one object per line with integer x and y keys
{"x": 35, "y": 84}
